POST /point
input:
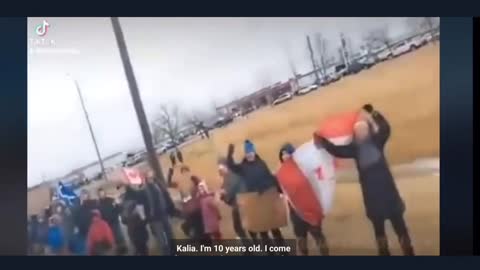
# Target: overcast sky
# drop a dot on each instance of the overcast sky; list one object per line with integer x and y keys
{"x": 194, "y": 62}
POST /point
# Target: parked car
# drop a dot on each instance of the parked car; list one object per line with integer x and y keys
{"x": 340, "y": 71}
{"x": 223, "y": 121}
{"x": 307, "y": 89}
{"x": 427, "y": 37}
{"x": 161, "y": 149}
{"x": 384, "y": 54}
{"x": 355, "y": 68}
{"x": 416, "y": 42}
{"x": 367, "y": 61}
{"x": 282, "y": 98}
{"x": 134, "y": 159}
{"x": 402, "y": 48}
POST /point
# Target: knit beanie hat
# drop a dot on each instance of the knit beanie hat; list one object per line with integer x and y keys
{"x": 249, "y": 147}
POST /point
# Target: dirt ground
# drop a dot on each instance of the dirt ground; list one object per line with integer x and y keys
{"x": 406, "y": 90}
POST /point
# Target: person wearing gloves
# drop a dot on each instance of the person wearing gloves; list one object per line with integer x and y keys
{"x": 300, "y": 227}
{"x": 380, "y": 194}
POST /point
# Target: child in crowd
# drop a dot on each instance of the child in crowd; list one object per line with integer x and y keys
{"x": 100, "y": 240}
{"x": 210, "y": 212}
{"x": 55, "y": 238}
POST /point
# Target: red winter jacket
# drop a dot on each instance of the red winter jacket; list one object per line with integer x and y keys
{"x": 99, "y": 234}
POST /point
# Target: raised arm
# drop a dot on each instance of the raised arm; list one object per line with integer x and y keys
{"x": 234, "y": 167}
{"x": 384, "y": 129}
{"x": 341, "y": 151}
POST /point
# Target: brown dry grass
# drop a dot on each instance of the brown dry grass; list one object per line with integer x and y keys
{"x": 406, "y": 90}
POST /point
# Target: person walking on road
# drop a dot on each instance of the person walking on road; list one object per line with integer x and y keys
{"x": 110, "y": 211}
{"x": 300, "y": 227}
{"x": 380, "y": 194}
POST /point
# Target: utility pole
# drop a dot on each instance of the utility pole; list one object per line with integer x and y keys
{"x": 312, "y": 58}
{"x": 346, "y": 57}
{"x": 137, "y": 103}
{"x": 164, "y": 196}
{"x": 100, "y": 161}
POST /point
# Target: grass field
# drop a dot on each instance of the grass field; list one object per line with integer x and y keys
{"x": 406, "y": 90}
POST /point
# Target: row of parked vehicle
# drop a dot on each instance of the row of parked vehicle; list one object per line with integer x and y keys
{"x": 366, "y": 61}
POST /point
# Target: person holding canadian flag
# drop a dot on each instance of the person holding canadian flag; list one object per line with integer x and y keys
{"x": 380, "y": 194}
{"x": 301, "y": 227}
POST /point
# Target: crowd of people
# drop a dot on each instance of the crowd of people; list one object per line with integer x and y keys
{"x": 92, "y": 227}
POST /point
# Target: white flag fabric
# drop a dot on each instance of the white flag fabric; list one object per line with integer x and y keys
{"x": 318, "y": 166}
{"x": 308, "y": 179}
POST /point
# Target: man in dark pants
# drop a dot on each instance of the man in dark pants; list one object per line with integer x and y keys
{"x": 110, "y": 212}
{"x": 380, "y": 194}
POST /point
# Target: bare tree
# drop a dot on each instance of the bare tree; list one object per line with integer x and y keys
{"x": 379, "y": 36}
{"x": 322, "y": 45}
{"x": 167, "y": 123}
{"x": 293, "y": 68}
{"x": 312, "y": 59}
{"x": 290, "y": 61}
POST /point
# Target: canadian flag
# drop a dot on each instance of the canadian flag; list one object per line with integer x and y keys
{"x": 133, "y": 176}
{"x": 308, "y": 178}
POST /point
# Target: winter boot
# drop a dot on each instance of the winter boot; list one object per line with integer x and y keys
{"x": 406, "y": 245}
{"x": 382, "y": 244}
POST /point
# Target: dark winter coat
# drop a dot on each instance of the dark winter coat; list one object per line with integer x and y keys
{"x": 380, "y": 194}
{"x": 233, "y": 184}
{"x": 83, "y": 216}
{"x": 257, "y": 175}
{"x": 157, "y": 202}
{"x": 136, "y": 227}
{"x": 110, "y": 210}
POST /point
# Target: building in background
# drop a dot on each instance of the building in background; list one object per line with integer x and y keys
{"x": 258, "y": 99}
